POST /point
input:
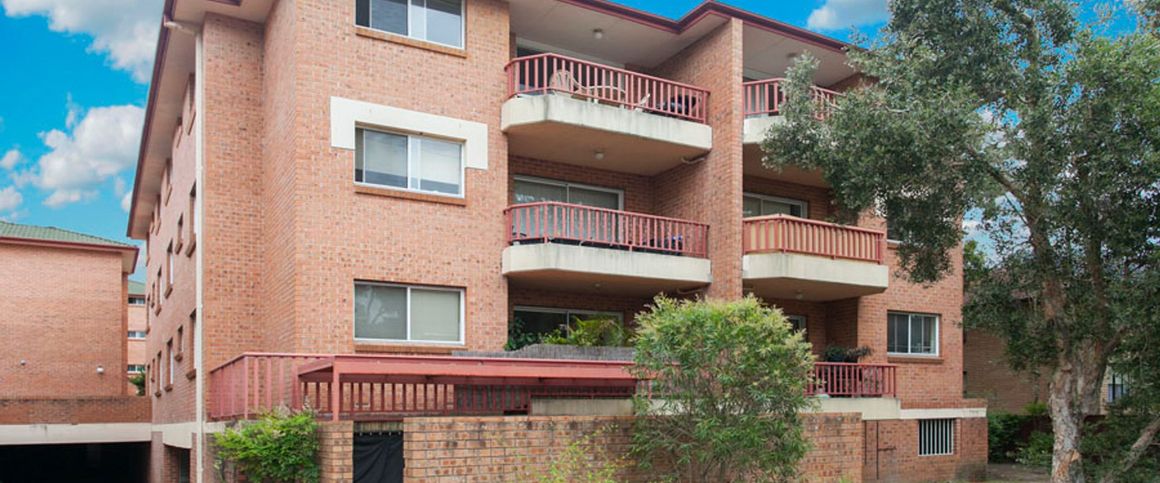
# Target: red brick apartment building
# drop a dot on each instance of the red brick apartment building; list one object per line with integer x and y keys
{"x": 338, "y": 195}
{"x": 65, "y": 409}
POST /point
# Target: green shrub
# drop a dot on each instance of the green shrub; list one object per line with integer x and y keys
{"x": 598, "y": 332}
{"x": 584, "y": 461}
{"x": 1036, "y": 409}
{"x": 279, "y": 447}
{"x": 138, "y": 380}
{"x": 728, "y": 384}
{"x": 519, "y": 337}
{"x": 1037, "y": 451}
{"x": 836, "y": 353}
{"x": 1003, "y": 436}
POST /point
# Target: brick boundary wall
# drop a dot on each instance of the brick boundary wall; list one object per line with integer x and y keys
{"x": 81, "y": 410}
{"x": 521, "y": 448}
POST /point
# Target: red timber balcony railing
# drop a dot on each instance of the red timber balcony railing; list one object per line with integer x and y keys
{"x": 384, "y": 387}
{"x": 853, "y": 380}
{"x": 543, "y": 73}
{"x": 555, "y": 222}
{"x": 784, "y": 233}
{"x": 766, "y": 98}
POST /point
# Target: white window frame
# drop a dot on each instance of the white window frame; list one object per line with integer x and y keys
{"x": 408, "y": 340}
{"x": 133, "y": 335}
{"x": 568, "y": 184}
{"x": 136, "y": 297}
{"x": 910, "y": 335}
{"x": 171, "y": 363}
{"x": 936, "y": 428}
{"x": 413, "y": 18}
{"x": 803, "y": 204}
{"x": 135, "y": 368}
{"x": 412, "y": 163}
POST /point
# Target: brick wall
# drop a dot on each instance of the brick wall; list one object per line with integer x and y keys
{"x": 638, "y": 190}
{"x": 891, "y": 449}
{"x": 709, "y": 191}
{"x": 63, "y": 316}
{"x": 76, "y": 410}
{"x": 987, "y": 375}
{"x": 819, "y": 199}
{"x": 523, "y": 448}
{"x": 336, "y": 447}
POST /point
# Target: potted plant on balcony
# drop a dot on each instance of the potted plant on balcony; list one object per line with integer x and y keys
{"x": 844, "y": 383}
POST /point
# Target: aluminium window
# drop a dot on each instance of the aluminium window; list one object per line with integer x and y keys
{"x": 136, "y": 300}
{"x": 409, "y": 162}
{"x": 438, "y": 21}
{"x": 911, "y": 334}
{"x": 761, "y": 205}
{"x": 936, "y": 437}
{"x": 137, "y": 335}
{"x": 135, "y": 368}
{"x": 798, "y": 322}
{"x": 544, "y": 320}
{"x": 171, "y": 363}
{"x": 401, "y": 313}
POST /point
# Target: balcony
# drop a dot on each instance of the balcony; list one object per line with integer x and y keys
{"x": 795, "y": 258}
{"x": 764, "y": 100}
{"x": 572, "y": 247}
{"x": 391, "y": 387}
{"x": 593, "y": 115}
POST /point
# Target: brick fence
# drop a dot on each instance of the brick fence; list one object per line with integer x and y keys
{"x": 522, "y": 448}
{"x": 79, "y": 410}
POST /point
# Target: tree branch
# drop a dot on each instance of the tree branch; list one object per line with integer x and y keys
{"x": 1137, "y": 450}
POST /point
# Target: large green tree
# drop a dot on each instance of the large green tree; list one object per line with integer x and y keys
{"x": 1047, "y": 126}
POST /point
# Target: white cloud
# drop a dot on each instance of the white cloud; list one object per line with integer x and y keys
{"x": 10, "y": 199}
{"x": 11, "y": 159}
{"x": 126, "y": 30}
{"x": 840, "y": 14}
{"x": 102, "y": 143}
{"x": 126, "y": 201}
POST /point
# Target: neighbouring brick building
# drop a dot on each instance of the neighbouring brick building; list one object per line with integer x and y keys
{"x": 344, "y": 182}
{"x": 63, "y": 355}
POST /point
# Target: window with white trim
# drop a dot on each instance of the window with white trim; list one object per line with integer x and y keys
{"x": 544, "y": 320}
{"x": 137, "y": 335}
{"x": 409, "y": 162}
{"x": 911, "y": 334}
{"x": 136, "y": 300}
{"x": 136, "y": 368}
{"x": 400, "y": 313}
{"x": 936, "y": 437}
{"x": 438, "y": 21}
{"x": 761, "y": 205}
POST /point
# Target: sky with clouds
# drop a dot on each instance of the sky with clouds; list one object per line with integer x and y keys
{"x": 76, "y": 76}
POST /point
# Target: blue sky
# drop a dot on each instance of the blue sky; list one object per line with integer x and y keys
{"x": 76, "y": 88}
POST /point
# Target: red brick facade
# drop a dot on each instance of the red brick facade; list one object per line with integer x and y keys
{"x": 273, "y": 231}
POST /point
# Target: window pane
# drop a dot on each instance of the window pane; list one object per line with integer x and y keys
{"x": 362, "y": 13}
{"x": 531, "y": 192}
{"x": 389, "y": 15}
{"x": 896, "y": 333}
{"x": 599, "y": 199}
{"x": 439, "y": 168}
{"x": 750, "y": 207}
{"x": 537, "y": 322}
{"x": 930, "y": 333}
{"x": 445, "y": 22}
{"x": 380, "y": 312}
{"x": 917, "y": 334}
{"x": 434, "y": 315}
{"x": 381, "y": 158}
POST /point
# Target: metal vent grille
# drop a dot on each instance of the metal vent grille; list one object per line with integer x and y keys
{"x": 936, "y": 437}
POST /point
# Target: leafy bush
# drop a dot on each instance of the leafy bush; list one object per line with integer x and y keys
{"x": 1108, "y": 439}
{"x": 519, "y": 337}
{"x": 1003, "y": 436}
{"x": 578, "y": 463}
{"x": 845, "y": 354}
{"x": 728, "y": 385}
{"x": 598, "y": 332}
{"x": 1036, "y": 409}
{"x": 138, "y": 380}
{"x": 1037, "y": 451}
{"x": 278, "y": 447}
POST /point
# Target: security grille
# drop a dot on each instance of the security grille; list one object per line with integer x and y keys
{"x": 936, "y": 437}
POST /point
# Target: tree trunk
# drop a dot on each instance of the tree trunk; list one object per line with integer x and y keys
{"x": 1074, "y": 391}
